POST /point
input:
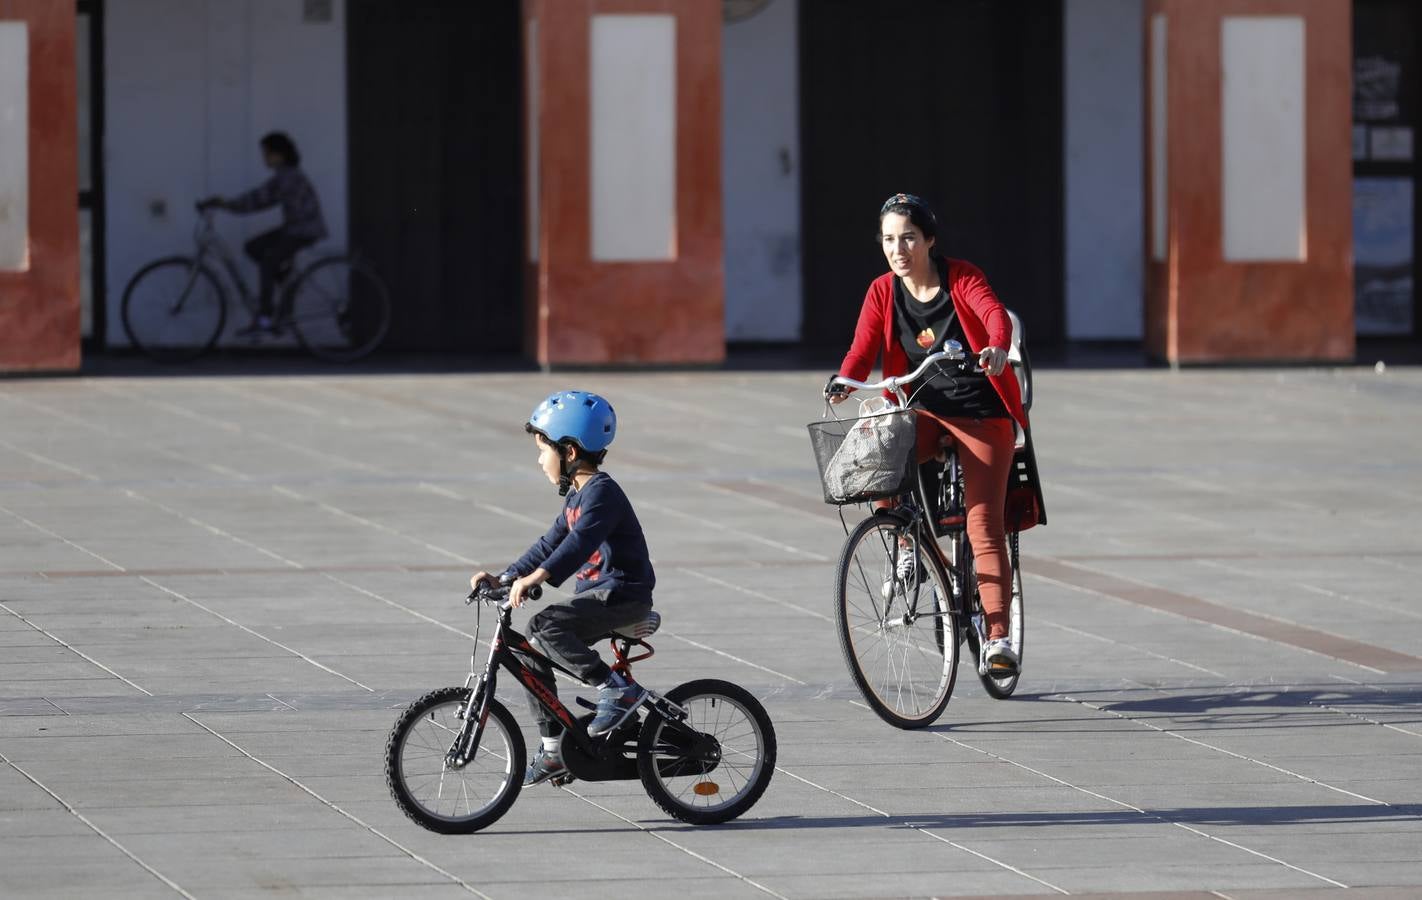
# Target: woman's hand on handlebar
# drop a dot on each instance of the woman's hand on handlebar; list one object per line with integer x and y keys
{"x": 835, "y": 393}
{"x": 993, "y": 360}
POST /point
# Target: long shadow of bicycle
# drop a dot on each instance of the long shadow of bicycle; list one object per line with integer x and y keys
{"x": 1280, "y": 700}
{"x": 1196, "y": 816}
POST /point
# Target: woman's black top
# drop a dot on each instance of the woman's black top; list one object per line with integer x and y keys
{"x": 922, "y": 329}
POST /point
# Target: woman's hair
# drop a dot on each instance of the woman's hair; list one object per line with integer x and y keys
{"x": 278, "y": 142}
{"x": 917, "y": 211}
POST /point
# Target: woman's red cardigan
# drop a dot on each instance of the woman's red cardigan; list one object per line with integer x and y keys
{"x": 983, "y": 317}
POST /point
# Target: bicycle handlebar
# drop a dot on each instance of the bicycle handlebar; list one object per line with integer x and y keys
{"x": 952, "y": 351}
{"x": 486, "y": 594}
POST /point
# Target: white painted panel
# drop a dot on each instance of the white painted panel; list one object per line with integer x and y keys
{"x": 760, "y": 175}
{"x": 532, "y": 149}
{"x": 190, "y": 86}
{"x": 1104, "y": 168}
{"x": 1262, "y": 128}
{"x": 633, "y": 177}
{"x": 1159, "y": 155}
{"x": 14, "y": 146}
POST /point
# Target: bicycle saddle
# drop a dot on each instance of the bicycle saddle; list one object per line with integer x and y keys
{"x": 643, "y": 629}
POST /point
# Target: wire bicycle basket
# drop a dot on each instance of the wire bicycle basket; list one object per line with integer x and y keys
{"x": 869, "y": 457}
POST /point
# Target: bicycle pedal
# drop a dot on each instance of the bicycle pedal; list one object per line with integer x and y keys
{"x": 561, "y": 780}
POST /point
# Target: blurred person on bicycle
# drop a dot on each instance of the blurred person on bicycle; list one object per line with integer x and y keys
{"x": 923, "y": 301}
{"x": 595, "y": 537}
{"x": 302, "y": 223}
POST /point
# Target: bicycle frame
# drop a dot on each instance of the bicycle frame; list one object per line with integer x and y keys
{"x": 589, "y": 758}
{"x": 211, "y": 245}
{"x": 918, "y": 519}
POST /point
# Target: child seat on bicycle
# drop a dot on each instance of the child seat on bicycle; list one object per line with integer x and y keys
{"x": 597, "y": 538}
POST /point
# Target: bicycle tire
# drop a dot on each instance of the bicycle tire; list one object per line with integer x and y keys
{"x": 867, "y": 618}
{"x": 339, "y": 308}
{"x": 663, "y": 771}
{"x": 408, "y": 782}
{"x": 163, "y": 338}
{"x": 1000, "y": 687}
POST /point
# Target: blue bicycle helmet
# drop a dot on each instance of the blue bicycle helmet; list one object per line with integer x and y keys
{"x": 583, "y": 419}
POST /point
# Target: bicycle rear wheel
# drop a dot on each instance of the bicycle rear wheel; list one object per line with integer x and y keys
{"x": 898, "y": 634}
{"x": 713, "y": 765}
{"x": 173, "y": 309}
{"x": 444, "y": 799}
{"x": 339, "y": 309}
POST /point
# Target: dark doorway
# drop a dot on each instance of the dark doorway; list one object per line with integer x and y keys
{"x": 89, "y": 84}
{"x": 1387, "y": 92}
{"x": 434, "y": 94}
{"x": 958, "y": 102}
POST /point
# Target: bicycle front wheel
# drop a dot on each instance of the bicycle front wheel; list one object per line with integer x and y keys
{"x": 897, "y": 626}
{"x": 339, "y": 309}
{"x": 432, "y": 793}
{"x": 173, "y": 309}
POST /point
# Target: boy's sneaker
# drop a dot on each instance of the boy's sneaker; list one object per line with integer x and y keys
{"x": 545, "y": 765}
{"x": 998, "y": 658}
{"x": 614, "y": 704}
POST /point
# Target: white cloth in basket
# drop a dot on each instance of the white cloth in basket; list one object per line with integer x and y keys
{"x": 870, "y": 460}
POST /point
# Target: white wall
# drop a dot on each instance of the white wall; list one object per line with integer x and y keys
{"x": 633, "y": 98}
{"x": 14, "y": 146}
{"x": 190, "y": 87}
{"x": 1104, "y": 168}
{"x": 760, "y": 174}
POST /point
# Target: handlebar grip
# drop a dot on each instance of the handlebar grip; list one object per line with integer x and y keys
{"x": 491, "y": 595}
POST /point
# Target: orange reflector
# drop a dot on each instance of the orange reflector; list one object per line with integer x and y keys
{"x": 706, "y": 788}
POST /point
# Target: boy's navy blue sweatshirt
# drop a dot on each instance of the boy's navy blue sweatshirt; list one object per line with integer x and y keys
{"x": 597, "y": 536}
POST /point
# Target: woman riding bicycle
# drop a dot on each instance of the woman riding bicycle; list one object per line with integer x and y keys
{"x": 923, "y": 301}
{"x": 302, "y": 223}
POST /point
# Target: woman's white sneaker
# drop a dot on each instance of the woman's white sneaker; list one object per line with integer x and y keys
{"x": 998, "y": 658}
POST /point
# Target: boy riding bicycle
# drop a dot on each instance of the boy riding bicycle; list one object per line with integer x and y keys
{"x": 596, "y": 537}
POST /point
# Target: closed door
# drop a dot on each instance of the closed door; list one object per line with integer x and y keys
{"x": 434, "y": 93}
{"x": 959, "y": 102}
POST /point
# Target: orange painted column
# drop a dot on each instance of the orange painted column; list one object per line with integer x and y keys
{"x": 584, "y": 311}
{"x": 1202, "y": 305}
{"x": 39, "y": 299}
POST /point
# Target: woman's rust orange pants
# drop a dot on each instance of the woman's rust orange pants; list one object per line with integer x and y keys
{"x": 985, "y": 450}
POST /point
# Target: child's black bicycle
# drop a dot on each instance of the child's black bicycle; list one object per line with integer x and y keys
{"x": 904, "y": 603}
{"x": 455, "y": 759}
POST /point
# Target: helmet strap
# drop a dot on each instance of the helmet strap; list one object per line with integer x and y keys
{"x": 566, "y": 470}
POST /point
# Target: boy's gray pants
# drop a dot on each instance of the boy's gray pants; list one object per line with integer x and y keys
{"x": 563, "y": 630}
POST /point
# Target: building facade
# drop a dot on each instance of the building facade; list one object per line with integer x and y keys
{"x": 696, "y": 173}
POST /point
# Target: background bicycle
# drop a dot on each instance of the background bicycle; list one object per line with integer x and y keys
{"x": 904, "y": 603}
{"x": 174, "y": 309}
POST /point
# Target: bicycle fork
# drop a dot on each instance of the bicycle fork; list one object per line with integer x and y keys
{"x": 474, "y": 714}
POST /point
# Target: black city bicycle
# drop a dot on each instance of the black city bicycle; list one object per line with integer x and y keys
{"x": 904, "y": 603}
{"x": 454, "y": 761}
{"x": 174, "y": 308}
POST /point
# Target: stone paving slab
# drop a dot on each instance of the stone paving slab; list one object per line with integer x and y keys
{"x": 217, "y": 593}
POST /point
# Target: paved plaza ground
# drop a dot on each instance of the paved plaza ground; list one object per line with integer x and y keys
{"x": 217, "y": 592}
